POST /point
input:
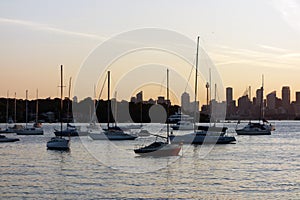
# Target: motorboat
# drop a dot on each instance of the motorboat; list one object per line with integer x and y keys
{"x": 173, "y": 119}
{"x": 183, "y": 125}
{"x": 256, "y": 129}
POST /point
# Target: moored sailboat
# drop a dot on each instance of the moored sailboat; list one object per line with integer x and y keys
{"x": 159, "y": 148}
{"x": 262, "y": 127}
{"x": 3, "y": 138}
{"x": 111, "y": 133}
{"x": 203, "y": 134}
{"x": 58, "y": 142}
{"x": 30, "y": 130}
{"x": 7, "y": 129}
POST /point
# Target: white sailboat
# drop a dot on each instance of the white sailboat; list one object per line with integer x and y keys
{"x": 111, "y": 133}
{"x": 34, "y": 130}
{"x": 262, "y": 127}
{"x": 203, "y": 134}
{"x": 58, "y": 142}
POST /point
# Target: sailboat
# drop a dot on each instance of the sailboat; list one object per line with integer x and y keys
{"x": 30, "y": 130}
{"x": 71, "y": 130}
{"x": 158, "y": 148}
{"x": 263, "y": 127}
{"x": 7, "y": 129}
{"x": 58, "y": 142}
{"x": 111, "y": 133}
{"x": 203, "y": 134}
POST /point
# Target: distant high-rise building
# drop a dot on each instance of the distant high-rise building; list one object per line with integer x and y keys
{"x": 285, "y": 92}
{"x": 133, "y": 100}
{"x": 297, "y": 97}
{"x": 139, "y": 97}
{"x": 161, "y": 100}
{"x": 185, "y": 101}
{"x": 271, "y": 100}
{"x": 259, "y": 96}
{"x": 229, "y": 95}
{"x": 244, "y": 105}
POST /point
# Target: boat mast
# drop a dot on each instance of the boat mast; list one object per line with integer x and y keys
{"x": 196, "y": 84}
{"x": 37, "y": 106}
{"x": 108, "y": 99}
{"x": 26, "y": 107}
{"x": 168, "y": 125}
{"x": 261, "y": 116}
{"x": 7, "y": 109}
{"x": 61, "y": 99}
{"x": 68, "y": 113}
{"x": 116, "y": 109}
{"x": 15, "y": 120}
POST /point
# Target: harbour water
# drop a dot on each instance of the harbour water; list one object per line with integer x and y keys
{"x": 256, "y": 167}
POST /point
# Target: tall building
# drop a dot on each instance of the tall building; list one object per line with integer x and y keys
{"x": 161, "y": 100}
{"x": 229, "y": 95}
{"x": 139, "y": 97}
{"x": 185, "y": 102}
{"x": 244, "y": 105}
{"x": 271, "y": 100}
{"x": 259, "y": 96}
{"x": 285, "y": 92}
{"x": 297, "y": 97}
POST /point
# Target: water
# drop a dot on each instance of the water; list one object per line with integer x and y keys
{"x": 256, "y": 167}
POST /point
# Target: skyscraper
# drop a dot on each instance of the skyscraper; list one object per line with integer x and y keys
{"x": 297, "y": 97}
{"x": 139, "y": 97}
{"x": 285, "y": 93}
{"x": 185, "y": 102}
{"x": 228, "y": 95}
{"x": 259, "y": 96}
{"x": 271, "y": 100}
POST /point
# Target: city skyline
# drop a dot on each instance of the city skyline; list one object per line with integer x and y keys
{"x": 243, "y": 39}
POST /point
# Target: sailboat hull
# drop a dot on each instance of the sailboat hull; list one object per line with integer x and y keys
{"x": 202, "y": 139}
{"x": 58, "y": 144}
{"x": 159, "y": 149}
{"x": 71, "y": 133}
{"x": 30, "y": 131}
{"x": 244, "y": 132}
{"x": 109, "y": 135}
{"x": 7, "y": 131}
{"x": 5, "y": 139}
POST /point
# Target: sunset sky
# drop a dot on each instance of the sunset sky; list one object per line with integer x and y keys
{"x": 244, "y": 39}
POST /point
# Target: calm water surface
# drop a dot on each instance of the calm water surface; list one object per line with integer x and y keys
{"x": 256, "y": 167}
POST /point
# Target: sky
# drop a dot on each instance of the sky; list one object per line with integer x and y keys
{"x": 244, "y": 40}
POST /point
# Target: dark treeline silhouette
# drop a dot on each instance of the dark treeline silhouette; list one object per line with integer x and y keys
{"x": 49, "y": 111}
